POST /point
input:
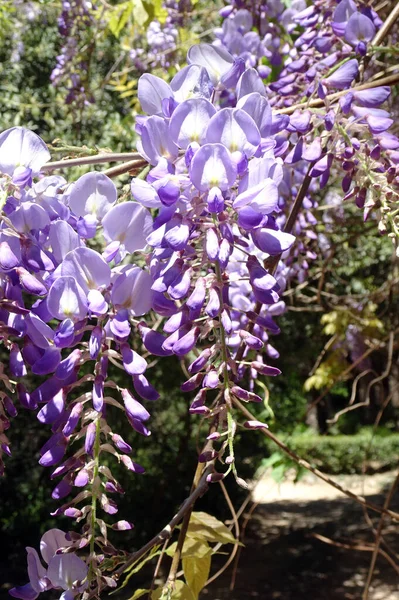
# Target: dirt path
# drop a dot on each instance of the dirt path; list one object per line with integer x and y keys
{"x": 284, "y": 560}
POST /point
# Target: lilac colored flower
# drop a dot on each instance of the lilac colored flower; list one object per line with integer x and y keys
{"x": 192, "y": 81}
{"x": 190, "y": 120}
{"x": 66, "y": 299}
{"x": 20, "y": 147}
{"x": 151, "y": 92}
{"x": 342, "y": 78}
{"x": 235, "y": 129}
{"x": 92, "y": 194}
{"x": 132, "y": 291}
{"x": 129, "y": 224}
{"x": 212, "y": 167}
{"x": 217, "y": 61}
{"x": 156, "y": 142}
{"x": 359, "y": 28}
{"x": 87, "y": 267}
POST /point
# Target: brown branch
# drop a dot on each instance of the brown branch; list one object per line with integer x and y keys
{"x": 97, "y": 159}
{"x": 318, "y": 102}
{"x": 386, "y": 26}
{"x": 131, "y": 165}
{"x": 304, "y": 463}
{"x": 361, "y": 547}
{"x": 165, "y": 533}
{"x": 378, "y": 536}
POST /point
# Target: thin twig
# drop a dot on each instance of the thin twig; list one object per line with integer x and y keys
{"x": 166, "y": 532}
{"x": 387, "y": 502}
{"x": 304, "y": 463}
{"x": 131, "y": 165}
{"x": 237, "y": 535}
{"x": 361, "y": 547}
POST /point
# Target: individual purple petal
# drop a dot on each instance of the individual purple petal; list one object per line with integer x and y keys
{"x": 128, "y": 223}
{"x": 373, "y": 97}
{"x": 66, "y": 568}
{"x": 66, "y": 299}
{"x": 73, "y": 419}
{"x": 212, "y": 244}
{"x": 133, "y": 363}
{"x": 313, "y": 151}
{"x": 190, "y": 120}
{"x": 94, "y": 194}
{"x": 359, "y": 28}
{"x": 96, "y": 303}
{"x": 215, "y": 200}
{"x": 235, "y": 129}
{"x": 64, "y": 334}
{"x": 156, "y": 142}
{"x": 271, "y": 241}
{"x": 95, "y": 342}
{"x": 29, "y": 217}
{"x": 16, "y": 362}
{"x": 63, "y": 238}
{"x": 51, "y": 541}
{"x": 212, "y": 167}
{"x": 178, "y": 235}
{"x": 151, "y": 92}
{"x": 199, "y": 363}
{"x": 8, "y": 260}
{"x": 53, "y": 409}
{"x": 216, "y": 60}
{"x": 19, "y": 146}
{"x": 68, "y": 365}
{"x": 197, "y": 297}
{"x": 36, "y": 571}
{"x": 132, "y": 291}
{"x": 120, "y": 444}
{"x": 88, "y": 268}
{"x": 342, "y": 78}
{"x": 212, "y": 309}
{"x": 145, "y": 193}
{"x": 25, "y": 398}
{"x": 249, "y": 82}
{"x": 90, "y": 440}
{"x": 257, "y": 106}
{"x": 53, "y": 456}
{"x": 98, "y": 393}
{"x": 30, "y": 283}
{"x": 119, "y": 326}
{"x": 342, "y": 14}
{"x": 61, "y": 490}
{"x": 153, "y": 341}
{"x": 144, "y": 388}
{"x": 262, "y": 198}
{"x": 191, "y": 81}
{"x": 48, "y": 362}
{"x": 87, "y": 226}
{"x": 134, "y": 409}
{"x": 187, "y": 342}
{"x": 265, "y": 369}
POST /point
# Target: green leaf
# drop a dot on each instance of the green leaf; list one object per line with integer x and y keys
{"x": 118, "y": 16}
{"x": 192, "y": 547}
{"x": 140, "y": 15}
{"x": 205, "y": 527}
{"x": 196, "y": 571}
{"x": 139, "y": 594}
{"x": 135, "y": 567}
{"x": 181, "y": 592}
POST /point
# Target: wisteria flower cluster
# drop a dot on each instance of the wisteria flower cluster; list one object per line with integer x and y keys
{"x": 214, "y": 230}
